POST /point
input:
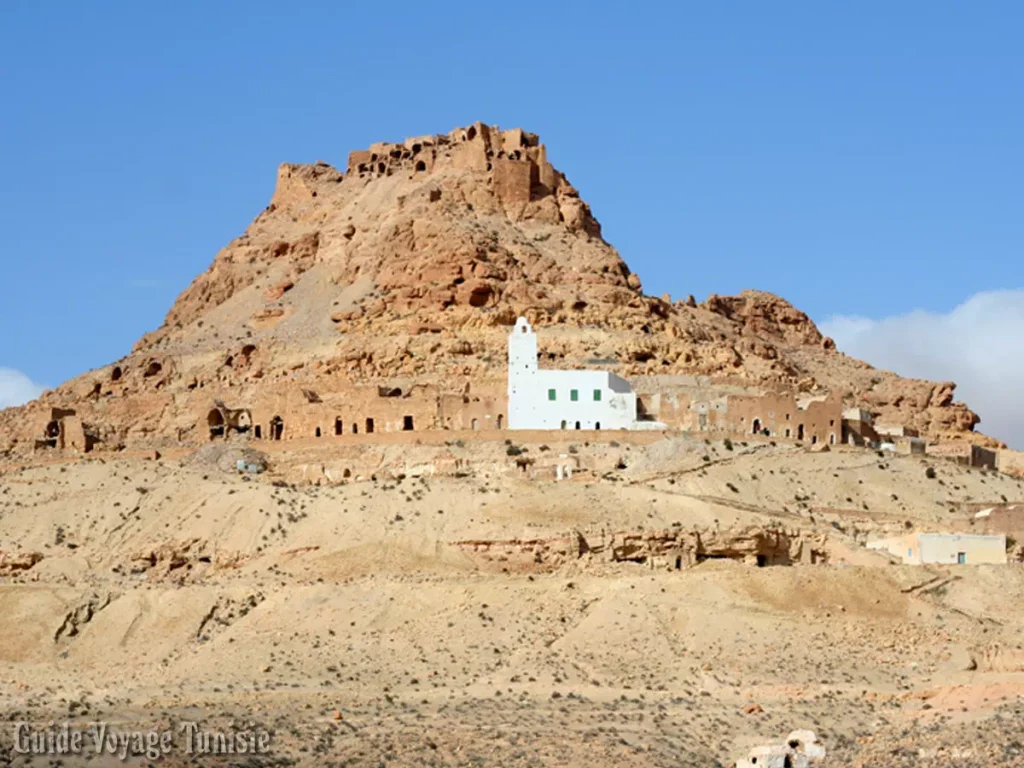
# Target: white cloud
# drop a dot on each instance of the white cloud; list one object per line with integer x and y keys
{"x": 979, "y": 345}
{"x": 17, "y": 388}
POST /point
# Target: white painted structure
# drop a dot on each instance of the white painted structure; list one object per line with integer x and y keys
{"x": 539, "y": 399}
{"x": 945, "y": 548}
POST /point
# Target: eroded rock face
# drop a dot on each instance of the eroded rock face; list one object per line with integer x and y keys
{"x": 412, "y": 265}
{"x": 766, "y": 316}
{"x": 664, "y": 549}
{"x": 11, "y": 562}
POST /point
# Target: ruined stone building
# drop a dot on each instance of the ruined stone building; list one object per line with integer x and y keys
{"x": 814, "y": 419}
{"x": 858, "y": 428}
{"x": 61, "y": 428}
{"x": 359, "y": 410}
{"x": 965, "y": 454}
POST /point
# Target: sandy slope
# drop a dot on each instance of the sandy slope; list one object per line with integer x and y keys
{"x": 172, "y": 589}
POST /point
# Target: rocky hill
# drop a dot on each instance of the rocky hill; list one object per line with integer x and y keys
{"x": 410, "y": 266}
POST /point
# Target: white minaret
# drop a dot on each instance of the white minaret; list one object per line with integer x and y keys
{"x": 522, "y": 370}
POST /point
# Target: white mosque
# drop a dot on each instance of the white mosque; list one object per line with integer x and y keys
{"x": 539, "y": 399}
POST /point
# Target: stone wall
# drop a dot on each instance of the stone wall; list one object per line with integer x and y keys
{"x": 1011, "y": 462}
{"x": 965, "y": 454}
{"x": 298, "y": 413}
{"x": 772, "y": 415}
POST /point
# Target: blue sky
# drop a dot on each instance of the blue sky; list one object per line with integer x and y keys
{"x": 862, "y": 160}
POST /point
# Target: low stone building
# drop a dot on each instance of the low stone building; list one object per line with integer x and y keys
{"x": 944, "y": 548}
{"x": 223, "y": 421}
{"x": 1005, "y": 519}
{"x": 63, "y": 429}
{"x": 1011, "y": 462}
{"x": 858, "y": 428}
{"x": 965, "y": 454}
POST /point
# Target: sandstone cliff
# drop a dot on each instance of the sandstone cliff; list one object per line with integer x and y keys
{"x": 410, "y": 266}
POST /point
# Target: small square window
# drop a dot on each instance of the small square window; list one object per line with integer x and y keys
{"x": 597, "y": 395}
{"x": 574, "y": 395}
{"x": 551, "y": 394}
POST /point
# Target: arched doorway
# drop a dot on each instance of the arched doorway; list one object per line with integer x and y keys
{"x": 276, "y": 428}
{"x": 799, "y": 431}
{"x": 598, "y": 425}
{"x": 756, "y": 427}
{"x": 243, "y": 420}
{"x": 501, "y": 421}
{"x": 215, "y": 421}
{"x": 577, "y": 425}
{"x": 563, "y": 423}
{"x": 52, "y": 434}
{"x": 473, "y": 425}
{"x": 338, "y": 426}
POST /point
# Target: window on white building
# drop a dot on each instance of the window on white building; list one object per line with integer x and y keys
{"x": 574, "y": 395}
{"x": 597, "y": 395}
{"x": 551, "y": 394}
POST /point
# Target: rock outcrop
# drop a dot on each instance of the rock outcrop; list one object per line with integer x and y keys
{"x": 410, "y": 266}
{"x": 801, "y": 749}
{"x": 662, "y": 549}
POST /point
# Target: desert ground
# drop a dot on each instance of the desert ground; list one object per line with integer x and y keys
{"x": 435, "y": 606}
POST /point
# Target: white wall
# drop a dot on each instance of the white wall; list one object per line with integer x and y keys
{"x": 903, "y": 547}
{"x": 978, "y": 548}
{"x": 944, "y": 548}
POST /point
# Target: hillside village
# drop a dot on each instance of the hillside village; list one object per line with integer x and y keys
{"x": 417, "y": 474}
{"x": 676, "y": 404}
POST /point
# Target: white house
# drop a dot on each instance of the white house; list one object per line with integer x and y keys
{"x": 539, "y": 399}
{"x": 945, "y": 548}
